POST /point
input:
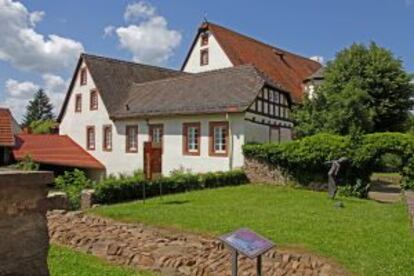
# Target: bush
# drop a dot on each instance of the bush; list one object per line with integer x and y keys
{"x": 27, "y": 164}
{"x": 119, "y": 189}
{"x": 43, "y": 126}
{"x": 116, "y": 189}
{"x": 389, "y": 162}
{"x": 305, "y": 160}
{"x": 72, "y": 183}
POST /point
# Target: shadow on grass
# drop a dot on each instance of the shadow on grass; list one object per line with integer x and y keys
{"x": 175, "y": 202}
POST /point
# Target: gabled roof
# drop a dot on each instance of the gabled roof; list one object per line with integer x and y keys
{"x": 285, "y": 68}
{"x": 225, "y": 90}
{"x": 318, "y": 75}
{"x": 6, "y": 128}
{"x": 54, "y": 150}
{"x": 114, "y": 77}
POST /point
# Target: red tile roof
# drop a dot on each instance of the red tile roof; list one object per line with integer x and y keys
{"x": 287, "y": 69}
{"x": 6, "y": 128}
{"x": 54, "y": 150}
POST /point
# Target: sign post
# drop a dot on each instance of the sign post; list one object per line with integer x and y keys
{"x": 248, "y": 243}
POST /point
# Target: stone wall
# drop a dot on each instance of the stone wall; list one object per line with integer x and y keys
{"x": 261, "y": 172}
{"x": 409, "y": 197}
{"x": 172, "y": 252}
{"x": 24, "y": 240}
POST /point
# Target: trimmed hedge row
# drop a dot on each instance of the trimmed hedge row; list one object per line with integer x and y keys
{"x": 305, "y": 160}
{"x": 119, "y": 189}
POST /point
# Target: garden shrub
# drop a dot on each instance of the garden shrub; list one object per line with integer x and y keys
{"x": 27, "y": 164}
{"x": 119, "y": 189}
{"x": 72, "y": 183}
{"x": 305, "y": 160}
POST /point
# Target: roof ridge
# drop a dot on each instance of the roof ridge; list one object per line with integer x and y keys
{"x": 191, "y": 75}
{"x": 261, "y": 42}
{"x": 117, "y": 60}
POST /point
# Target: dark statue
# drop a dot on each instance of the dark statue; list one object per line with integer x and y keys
{"x": 333, "y": 175}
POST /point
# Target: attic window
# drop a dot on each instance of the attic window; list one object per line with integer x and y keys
{"x": 204, "y": 39}
{"x": 83, "y": 76}
{"x": 78, "y": 103}
{"x": 204, "y": 57}
{"x": 93, "y": 101}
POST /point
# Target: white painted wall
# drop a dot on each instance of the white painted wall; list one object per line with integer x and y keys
{"x": 173, "y": 157}
{"x": 217, "y": 57}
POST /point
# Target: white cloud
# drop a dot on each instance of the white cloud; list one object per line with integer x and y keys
{"x": 409, "y": 2}
{"x": 20, "y": 90}
{"x": 108, "y": 31}
{"x": 149, "y": 39}
{"x": 23, "y": 47}
{"x": 35, "y": 17}
{"x": 138, "y": 10}
{"x": 319, "y": 59}
{"x": 18, "y": 94}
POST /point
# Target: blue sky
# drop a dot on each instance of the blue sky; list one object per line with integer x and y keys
{"x": 308, "y": 27}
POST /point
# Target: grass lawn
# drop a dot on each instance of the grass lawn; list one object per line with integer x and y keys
{"x": 64, "y": 261}
{"x": 366, "y": 237}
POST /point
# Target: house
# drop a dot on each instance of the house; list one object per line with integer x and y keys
{"x": 231, "y": 90}
{"x": 8, "y": 128}
{"x": 313, "y": 81}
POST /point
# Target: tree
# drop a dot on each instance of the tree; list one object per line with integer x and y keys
{"x": 38, "y": 109}
{"x": 365, "y": 90}
{"x": 43, "y": 126}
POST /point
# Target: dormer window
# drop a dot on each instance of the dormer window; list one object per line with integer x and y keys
{"x": 204, "y": 57}
{"x": 93, "y": 101}
{"x": 204, "y": 39}
{"x": 83, "y": 76}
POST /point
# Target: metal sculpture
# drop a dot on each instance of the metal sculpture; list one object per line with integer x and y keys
{"x": 333, "y": 176}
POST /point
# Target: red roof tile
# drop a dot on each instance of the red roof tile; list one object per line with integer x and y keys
{"x": 6, "y": 128}
{"x": 54, "y": 150}
{"x": 287, "y": 69}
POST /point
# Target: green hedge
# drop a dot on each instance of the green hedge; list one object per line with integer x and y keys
{"x": 119, "y": 189}
{"x": 304, "y": 160}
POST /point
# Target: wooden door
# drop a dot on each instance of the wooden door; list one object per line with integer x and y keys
{"x": 153, "y": 153}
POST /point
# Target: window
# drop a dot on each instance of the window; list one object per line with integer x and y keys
{"x": 259, "y": 106}
{"x": 204, "y": 57}
{"x": 191, "y": 138}
{"x": 78, "y": 103}
{"x": 83, "y": 76}
{"x": 204, "y": 39}
{"x": 271, "y": 95}
{"x": 132, "y": 139}
{"x": 156, "y": 132}
{"x": 277, "y": 97}
{"x": 218, "y": 138}
{"x": 90, "y": 137}
{"x": 93, "y": 100}
{"x": 107, "y": 138}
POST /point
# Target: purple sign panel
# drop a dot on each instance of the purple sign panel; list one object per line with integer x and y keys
{"x": 247, "y": 242}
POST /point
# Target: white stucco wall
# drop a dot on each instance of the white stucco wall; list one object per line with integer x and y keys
{"x": 217, "y": 58}
{"x": 173, "y": 157}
